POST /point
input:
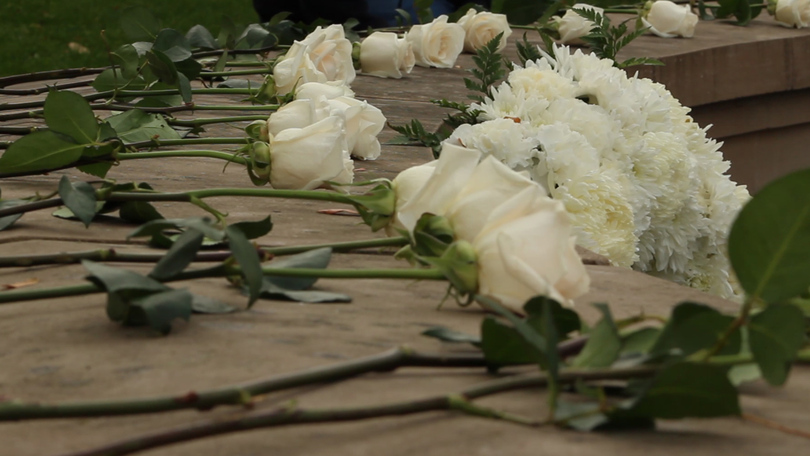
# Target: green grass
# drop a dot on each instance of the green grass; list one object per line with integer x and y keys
{"x": 35, "y": 33}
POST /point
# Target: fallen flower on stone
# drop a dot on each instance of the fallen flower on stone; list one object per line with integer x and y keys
{"x": 482, "y": 27}
{"x": 668, "y": 20}
{"x": 437, "y": 44}
{"x": 386, "y": 55}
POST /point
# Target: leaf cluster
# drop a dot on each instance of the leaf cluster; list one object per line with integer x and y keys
{"x": 607, "y": 40}
{"x": 415, "y": 133}
{"x": 489, "y": 69}
{"x": 742, "y": 10}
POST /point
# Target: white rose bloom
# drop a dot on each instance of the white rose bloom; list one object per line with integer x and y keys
{"x": 572, "y": 26}
{"x": 793, "y": 13}
{"x": 489, "y": 185}
{"x": 481, "y": 28}
{"x": 452, "y": 170}
{"x": 313, "y": 90}
{"x": 385, "y": 55}
{"x": 526, "y": 249}
{"x": 362, "y": 121}
{"x": 668, "y": 20}
{"x": 437, "y": 44}
{"x": 306, "y": 158}
{"x": 324, "y": 55}
{"x": 406, "y": 185}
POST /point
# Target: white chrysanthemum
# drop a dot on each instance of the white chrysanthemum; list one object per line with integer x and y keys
{"x": 510, "y": 142}
{"x": 508, "y": 102}
{"x": 601, "y": 216}
{"x": 537, "y": 80}
{"x": 643, "y": 183}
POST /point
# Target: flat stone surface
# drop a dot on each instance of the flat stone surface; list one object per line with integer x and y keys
{"x": 66, "y": 349}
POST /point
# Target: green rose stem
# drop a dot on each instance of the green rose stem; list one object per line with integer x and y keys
{"x": 213, "y": 120}
{"x": 226, "y": 270}
{"x": 46, "y": 75}
{"x": 113, "y": 255}
{"x": 187, "y": 142}
{"x": 121, "y": 93}
{"x": 291, "y": 415}
{"x": 40, "y": 90}
{"x": 212, "y": 74}
{"x": 240, "y": 394}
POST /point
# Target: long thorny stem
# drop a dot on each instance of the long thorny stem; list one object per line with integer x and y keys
{"x": 113, "y": 255}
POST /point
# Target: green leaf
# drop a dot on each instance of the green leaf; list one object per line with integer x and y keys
{"x": 80, "y": 198}
{"x": 206, "y": 305}
{"x": 604, "y": 344}
{"x": 116, "y": 279}
{"x": 248, "y": 258}
{"x": 587, "y": 416}
{"x": 69, "y": 113}
{"x": 743, "y": 373}
{"x": 769, "y": 243}
{"x": 9, "y": 220}
{"x": 179, "y": 256}
{"x": 256, "y": 229}
{"x": 139, "y": 212}
{"x": 161, "y": 309}
{"x": 521, "y": 12}
{"x": 173, "y": 44}
{"x": 190, "y": 67}
{"x": 270, "y": 290}
{"x": 157, "y": 227}
{"x": 200, "y": 38}
{"x": 503, "y": 345}
{"x": 96, "y": 169}
{"x": 312, "y": 259}
{"x": 685, "y": 390}
{"x": 565, "y": 320}
{"x": 775, "y": 336}
{"x": 139, "y": 24}
{"x": 184, "y": 86}
{"x": 448, "y": 335}
{"x": 693, "y": 327}
{"x": 127, "y": 59}
{"x": 640, "y": 341}
{"x": 136, "y": 126}
{"x": 40, "y": 151}
{"x": 112, "y": 79}
{"x": 162, "y": 67}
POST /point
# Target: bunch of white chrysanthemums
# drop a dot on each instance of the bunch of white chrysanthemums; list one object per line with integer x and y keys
{"x": 642, "y": 183}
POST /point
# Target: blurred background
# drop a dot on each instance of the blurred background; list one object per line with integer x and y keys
{"x": 38, "y": 35}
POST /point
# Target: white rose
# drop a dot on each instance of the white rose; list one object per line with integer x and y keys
{"x": 324, "y": 55}
{"x": 526, "y": 249}
{"x": 362, "y": 121}
{"x": 793, "y": 13}
{"x": 668, "y": 20}
{"x": 437, "y": 44}
{"x": 306, "y": 158}
{"x": 572, "y": 26}
{"x": 385, "y": 55}
{"x": 481, "y": 28}
{"x": 329, "y": 90}
{"x": 453, "y": 168}
{"x": 406, "y": 185}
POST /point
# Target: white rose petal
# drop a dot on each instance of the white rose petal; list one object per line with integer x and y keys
{"x": 572, "y": 26}
{"x": 793, "y": 13}
{"x": 526, "y": 249}
{"x": 481, "y": 28}
{"x": 324, "y": 55}
{"x": 437, "y": 44}
{"x": 305, "y": 158}
{"x": 385, "y": 55}
{"x": 668, "y": 20}
{"x": 363, "y": 123}
{"x": 330, "y": 90}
